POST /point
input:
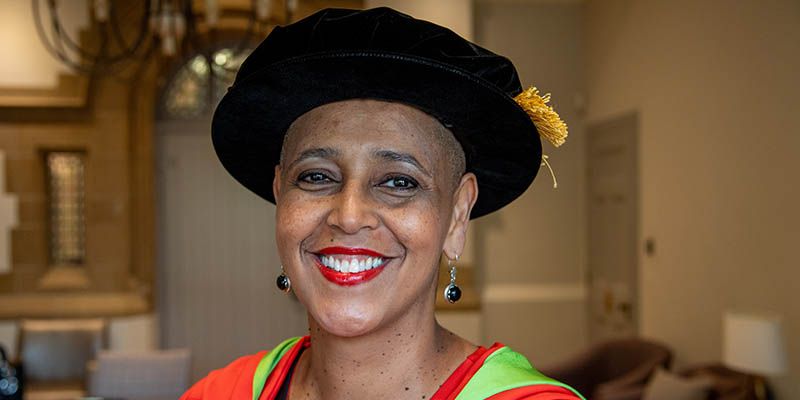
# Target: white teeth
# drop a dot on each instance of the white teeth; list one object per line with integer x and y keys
{"x": 350, "y": 265}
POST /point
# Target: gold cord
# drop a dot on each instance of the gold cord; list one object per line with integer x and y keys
{"x": 545, "y": 163}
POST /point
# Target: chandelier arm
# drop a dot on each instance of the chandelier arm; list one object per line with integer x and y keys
{"x": 64, "y": 38}
{"x": 249, "y": 32}
{"x": 144, "y": 31}
{"x": 113, "y": 70}
{"x": 97, "y": 58}
{"x": 129, "y": 50}
{"x": 50, "y": 45}
{"x": 115, "y": 31}
{"x": 191, "y": 40}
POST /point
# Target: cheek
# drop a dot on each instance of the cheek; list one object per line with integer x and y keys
{"x": 295, "y": 221}
{"x": 421, "y": 230}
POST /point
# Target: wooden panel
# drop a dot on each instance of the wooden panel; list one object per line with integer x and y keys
{"x": 68, "y": 305}
{"x": 71, "y": 92}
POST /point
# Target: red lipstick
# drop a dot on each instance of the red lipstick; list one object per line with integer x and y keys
{"x": 348, "y": 278}
{"x": 351, "y": 251}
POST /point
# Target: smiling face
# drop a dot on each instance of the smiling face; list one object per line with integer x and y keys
{"x": 367, "y": 199}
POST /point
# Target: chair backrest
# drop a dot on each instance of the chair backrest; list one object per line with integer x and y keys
{"x": 150, "y": 375}
{"x": 58, "y": 350}
{"x": 623, "y": 355}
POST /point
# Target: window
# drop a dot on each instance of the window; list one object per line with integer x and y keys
{"x": 199, "y": 84}
{"x": 66, "y": 195}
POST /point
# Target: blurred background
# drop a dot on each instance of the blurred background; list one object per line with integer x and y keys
{"x": 131, "y": 264}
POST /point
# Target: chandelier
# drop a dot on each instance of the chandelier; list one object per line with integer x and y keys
{"x": 121, "y": 32}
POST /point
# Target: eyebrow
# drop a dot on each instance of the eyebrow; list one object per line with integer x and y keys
{"x": 401, "y": 157}
{"x": 319, "y": 152}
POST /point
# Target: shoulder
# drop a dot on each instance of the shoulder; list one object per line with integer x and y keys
{"x": 247, "y": 374}
{"x": 233, "y": 381}
{"x": 507, "y": 375}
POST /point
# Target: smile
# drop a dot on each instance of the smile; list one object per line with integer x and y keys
{"x": 350, "y": 264}
{"x": 346, "y": 266}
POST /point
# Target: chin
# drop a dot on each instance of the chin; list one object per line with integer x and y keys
{"x": 347, "y": 322}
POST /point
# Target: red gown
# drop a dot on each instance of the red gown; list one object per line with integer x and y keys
{"x": 236, "y": 380}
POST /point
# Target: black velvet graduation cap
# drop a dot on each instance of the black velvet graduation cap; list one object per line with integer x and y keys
{"x": 339, "y": 54}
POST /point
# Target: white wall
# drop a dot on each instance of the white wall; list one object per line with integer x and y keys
{"x": 26, "y": 62}
{"x": 716, "y": 83}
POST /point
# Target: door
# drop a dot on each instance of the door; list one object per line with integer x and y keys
{"x": 612, "y": 177}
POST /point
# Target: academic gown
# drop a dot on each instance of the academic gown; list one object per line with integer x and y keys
{"x": 494, "y": 373}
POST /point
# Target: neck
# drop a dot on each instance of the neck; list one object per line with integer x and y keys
{"x": 410, "y": 360}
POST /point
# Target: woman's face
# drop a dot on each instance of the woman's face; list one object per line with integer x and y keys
{"x": 366, "y": 203}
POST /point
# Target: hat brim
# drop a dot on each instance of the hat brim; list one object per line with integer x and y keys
{"x": 500, "y": 142}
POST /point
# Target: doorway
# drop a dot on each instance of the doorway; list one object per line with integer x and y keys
{"x": 613, "y": 221}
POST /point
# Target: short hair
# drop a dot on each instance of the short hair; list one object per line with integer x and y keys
{"x": 453, "y": 151}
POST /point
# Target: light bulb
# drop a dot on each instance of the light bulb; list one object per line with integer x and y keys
{"x": 168, "y": 45}
{"x": 212, "y": 13}
{"x": 262, "y": 10}
{"x": 180, "y": 25}
{"x": 101, "y": 10}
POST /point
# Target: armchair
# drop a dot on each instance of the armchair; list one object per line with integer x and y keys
{"x": 612, "y": 370}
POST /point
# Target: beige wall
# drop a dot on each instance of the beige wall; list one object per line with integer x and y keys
{"x": 454, "y": 14}
{"x": 31, "y": 66}
{"x": 717, "y": 86}
{"x": 532, "y": 252}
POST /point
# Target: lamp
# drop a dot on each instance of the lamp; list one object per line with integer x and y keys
{"x": 754, "y": 343}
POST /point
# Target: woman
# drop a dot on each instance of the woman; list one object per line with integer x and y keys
{"x": 372, "y": 131}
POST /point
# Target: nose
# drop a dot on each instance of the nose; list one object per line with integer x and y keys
{"x": 353, "y": 210}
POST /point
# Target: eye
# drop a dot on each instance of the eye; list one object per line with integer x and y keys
{"x": 400, "y": 182}
{"x": 314, "y": 177}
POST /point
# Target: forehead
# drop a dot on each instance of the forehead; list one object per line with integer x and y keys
{"x": 368, "y": 123}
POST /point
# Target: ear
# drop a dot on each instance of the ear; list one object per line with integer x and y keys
{"x": 276, "y": 183}
{"x": 463, "y": 199}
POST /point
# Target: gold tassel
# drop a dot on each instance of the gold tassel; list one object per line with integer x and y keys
{"x": 547, "y": 121}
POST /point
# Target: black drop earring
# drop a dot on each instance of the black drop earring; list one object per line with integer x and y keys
{"x": 452, "y": 293}
{"x": 283, "y": 282}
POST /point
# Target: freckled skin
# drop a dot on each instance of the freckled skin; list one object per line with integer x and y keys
{"x": 350, "y": 196}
